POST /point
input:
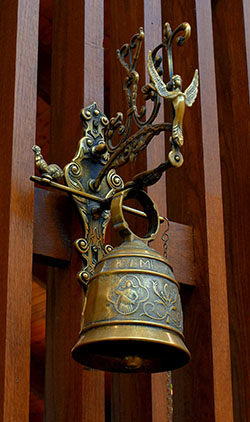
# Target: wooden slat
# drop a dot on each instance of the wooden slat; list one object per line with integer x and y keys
{"x": 232, "y": 72}
{"x": 93, "y": 53}
{"x": 155, "y": 154}
{"x": 246, "y": 17}
{"x": 214, "y": 218}
{"x": 63, "y": 379}
{"x": 93, "y": 397}
{"x": 181, "y": 253}
{"x": 156, "y": 149}
{"x": 18, "y": 52}
{"x": 160, "y": 398}
{"x": 131, "y": 398}
{"x": 68, "y": 387}
{"x": 125, "y": 18}
{"x": 193, "y": 398}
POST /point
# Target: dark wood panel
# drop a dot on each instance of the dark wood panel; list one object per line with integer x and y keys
{"x": 53, "y": 211}
{"x": 160, "y": 398}
{"x": 93, "y": 395}
{"x": 38, "y": 323}
{"x": 131, "y": 398}
{"x": 44, "y": 73}
{"x": 232, "y": 67}
{"x": 36, "y": 409}
{"x": 18, "y": 52}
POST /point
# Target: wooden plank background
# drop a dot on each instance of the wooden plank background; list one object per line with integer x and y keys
{"x": 18, "y": 80}
{"x": 207, "y": 200}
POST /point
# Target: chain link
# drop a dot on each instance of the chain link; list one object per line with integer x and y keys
{"x": 165, "y": 239}
{"x": 170, "y": 408}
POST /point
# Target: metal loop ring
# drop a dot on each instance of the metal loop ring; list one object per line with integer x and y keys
{"x": 149, "y": 207}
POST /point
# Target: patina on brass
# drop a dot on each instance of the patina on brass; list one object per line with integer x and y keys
{"x": 132, "y": 316}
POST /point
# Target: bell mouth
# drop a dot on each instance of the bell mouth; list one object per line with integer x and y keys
{"x": 130, "y": 349}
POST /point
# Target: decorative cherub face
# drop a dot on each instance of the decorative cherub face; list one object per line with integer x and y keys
{"x": 177, "y": 82}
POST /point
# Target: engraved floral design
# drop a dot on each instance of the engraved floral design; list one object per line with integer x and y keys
{"x": 166, "y": 307}
{"x": 127, "y": 295}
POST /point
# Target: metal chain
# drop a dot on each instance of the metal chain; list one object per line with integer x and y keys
{"x": 165, "y": 239}
{"x": 170, "y": 408}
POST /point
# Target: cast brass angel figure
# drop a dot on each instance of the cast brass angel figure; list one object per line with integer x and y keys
{"x": 173, "y": 92}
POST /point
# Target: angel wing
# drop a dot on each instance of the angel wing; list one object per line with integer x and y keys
{"x": 160, "y": 86}
{"x": 192, "y": 91}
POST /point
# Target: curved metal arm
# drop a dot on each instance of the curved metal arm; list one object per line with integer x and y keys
{"x": 168, "y": 39}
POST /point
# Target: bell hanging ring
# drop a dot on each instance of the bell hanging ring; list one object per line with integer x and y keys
{"x": 133, "y": 316}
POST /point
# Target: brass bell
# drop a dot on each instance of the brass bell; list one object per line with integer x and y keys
{"x": 133, "y": 316}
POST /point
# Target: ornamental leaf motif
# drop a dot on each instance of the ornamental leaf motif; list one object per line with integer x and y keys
{"x": 166, "y": 306}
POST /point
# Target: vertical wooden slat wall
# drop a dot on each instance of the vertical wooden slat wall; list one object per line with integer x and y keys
{"x": 223, "y": 406}
{"x": 18, "y": 76}
{"x": 63, "y": 380}
{"x": 155, "y": 154}
{"x": 77, "y": 80}
{"x": 232, "y": 63}
{"x": 127, "y": 402}
{"x": 209, "y": 195}
{"x": 193, "y": 384}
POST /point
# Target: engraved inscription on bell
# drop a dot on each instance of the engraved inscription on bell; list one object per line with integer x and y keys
{"x": 136, "y": 262}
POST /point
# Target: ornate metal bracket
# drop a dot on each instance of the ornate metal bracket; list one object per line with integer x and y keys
{"x": 91, "y": 177}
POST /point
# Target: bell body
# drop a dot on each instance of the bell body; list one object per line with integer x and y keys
{"x": 132, "y": 318}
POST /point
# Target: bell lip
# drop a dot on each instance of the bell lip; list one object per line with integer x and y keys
{"x": 129, "y": 333}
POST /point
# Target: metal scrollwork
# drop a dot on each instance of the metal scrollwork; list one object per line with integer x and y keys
{"x": 90, "y": 157}
{"x": 130, "y": 145}
{"x": 166, "y": 306}
{"x": 91, "y": 177}
{"x": 131, "y": 292}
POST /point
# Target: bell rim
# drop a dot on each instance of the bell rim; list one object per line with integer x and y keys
{"x": 126, "y": 333}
